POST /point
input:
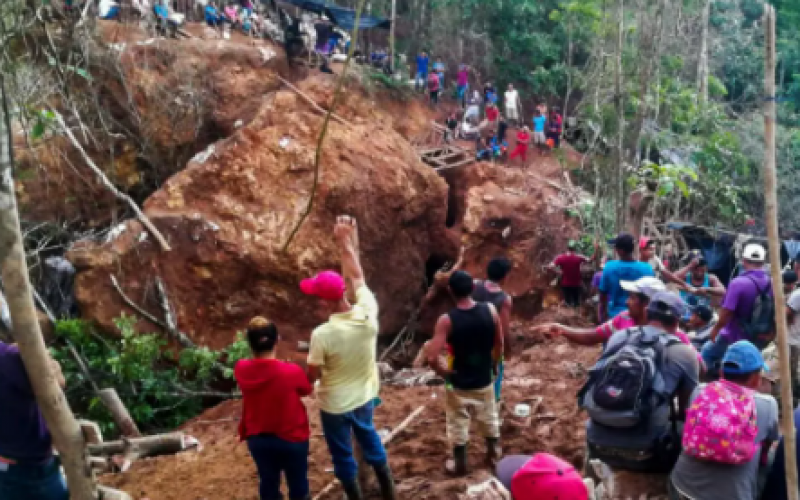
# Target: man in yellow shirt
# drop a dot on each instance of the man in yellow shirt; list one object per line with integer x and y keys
{"x": 341, "y": 361}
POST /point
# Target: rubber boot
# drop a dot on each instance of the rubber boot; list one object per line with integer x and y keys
{"x": 352, "y": 490}
{"x": 386, "y": 481}
{"x": 493, "y": 451}
{"x": 458, "y": 465}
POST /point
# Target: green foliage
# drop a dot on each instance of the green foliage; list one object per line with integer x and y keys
{"x": 158, "y": 390}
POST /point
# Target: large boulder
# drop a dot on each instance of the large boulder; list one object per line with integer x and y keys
{"x": 229, "y": 214}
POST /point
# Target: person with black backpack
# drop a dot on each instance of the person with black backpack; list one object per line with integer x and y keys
{"x": 629, "y": 396}
{"x": 748, "y": 310}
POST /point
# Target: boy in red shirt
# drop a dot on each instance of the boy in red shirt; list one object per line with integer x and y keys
{"x": 274, "y": 421}
{"x": 523, "y": 139}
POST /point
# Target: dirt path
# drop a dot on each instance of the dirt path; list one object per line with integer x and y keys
{"x": 223, "y": 468}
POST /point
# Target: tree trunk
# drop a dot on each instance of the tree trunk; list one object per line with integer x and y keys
{"x": 392, "y": 54}
{"x": 619, "y": 158}
{"x": 119, "y": 412}
{"x": 66, "y": 432}
{"x": 649, "y": 59}
{"x": 702, "y": 60}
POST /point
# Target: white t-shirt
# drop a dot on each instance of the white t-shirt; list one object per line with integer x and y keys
{"x": 512, "y": 98}
{"x": 794, "y": 329}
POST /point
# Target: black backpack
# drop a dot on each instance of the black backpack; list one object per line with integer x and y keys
{"x": 761, "y": 322}
{"x": 627, "y": 384}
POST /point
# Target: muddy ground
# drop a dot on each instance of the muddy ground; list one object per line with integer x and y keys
{"x": 550, "y": 369}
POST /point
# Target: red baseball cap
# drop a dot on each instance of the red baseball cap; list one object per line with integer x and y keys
{"x": 541, "y": 477}
{"x": 327, "y": 285}
{"x": 643, "y": 242}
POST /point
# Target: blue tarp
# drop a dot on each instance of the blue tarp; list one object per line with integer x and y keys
{"x": 341, "y": 16}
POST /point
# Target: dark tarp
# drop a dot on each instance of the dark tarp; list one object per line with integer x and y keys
{"x": 340, "y": 16}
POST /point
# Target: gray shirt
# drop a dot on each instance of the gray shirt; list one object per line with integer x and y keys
{"x": 681, "y": 371}
{"x": 704, "y": 480}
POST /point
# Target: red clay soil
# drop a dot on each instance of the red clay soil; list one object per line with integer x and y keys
{"x": 223, "y": 468}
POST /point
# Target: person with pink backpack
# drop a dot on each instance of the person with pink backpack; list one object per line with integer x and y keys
{"x": 728, "y": 432}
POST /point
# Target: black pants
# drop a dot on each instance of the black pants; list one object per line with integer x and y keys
{"x": 556, "y": 136}
{"x": 572, "y": 295}
{"x": 274, "y": 456}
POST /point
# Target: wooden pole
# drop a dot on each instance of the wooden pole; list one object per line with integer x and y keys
{"x": 770, "y": 183}
{"x": 66, "y": 432}
{"x": 391, "y": 37}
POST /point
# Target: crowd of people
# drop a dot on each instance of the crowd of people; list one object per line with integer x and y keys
{"x": 678, "y": 387}
{"x": 479, "y": 118}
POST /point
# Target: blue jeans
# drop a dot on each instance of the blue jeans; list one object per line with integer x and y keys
{"x": 712, "y": 353}
{"x": 274, "y": 455}
{"x": 420, "y": 80}
{"x": 339, "y": 431}
{"x": 32, "y": 482}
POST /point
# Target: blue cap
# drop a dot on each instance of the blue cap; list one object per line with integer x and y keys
{"x": 669, "y": 304}
{"x": 743, "y": 357}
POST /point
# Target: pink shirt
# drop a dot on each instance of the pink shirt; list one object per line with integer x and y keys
{"x": 623, "y": 320}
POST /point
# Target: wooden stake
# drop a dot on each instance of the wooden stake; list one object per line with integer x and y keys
{"x": 397, "y": 430}
{"x": 313, "y": 103}
{"x": 770, "y": 183}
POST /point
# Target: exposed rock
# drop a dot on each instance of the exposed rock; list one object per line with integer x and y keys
{"x": 228, "y": 218}
{"x": 509, "y": 212}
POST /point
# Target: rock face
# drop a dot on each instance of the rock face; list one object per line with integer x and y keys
{"x": 229, "y": 213}
{"x": 505, "y": 211}
{"x": 162, "y": 101}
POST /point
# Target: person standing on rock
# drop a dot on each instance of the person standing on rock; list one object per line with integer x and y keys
{"x": 521, "y": 149}
{"x": 625, "y": 268}
{"x": 28, "y": 469}
{"x": 513, "y": 105}
{"x": 342, "y": 360}
{"x": 474, "y": 335}
{"x": 274, "y": 421}
{"x": 491, "y": 291}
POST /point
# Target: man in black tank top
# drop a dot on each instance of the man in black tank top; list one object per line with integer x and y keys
{"x": 491, "y": 291}
{"x": 474, "y": 338}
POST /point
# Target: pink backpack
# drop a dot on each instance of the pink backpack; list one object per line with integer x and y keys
{"x": 721, "y": 424}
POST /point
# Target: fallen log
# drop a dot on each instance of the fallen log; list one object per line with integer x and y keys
{"x": 386, "y": 440}
{"x": 132, "y": 449}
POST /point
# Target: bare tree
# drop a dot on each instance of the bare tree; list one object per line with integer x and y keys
{"x": 65, "y": 430}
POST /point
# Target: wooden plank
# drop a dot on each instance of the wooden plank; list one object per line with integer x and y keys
{"x": 456, "y": 165}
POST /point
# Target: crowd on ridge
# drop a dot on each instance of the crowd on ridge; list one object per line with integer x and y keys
{"x": 489, "y": 133}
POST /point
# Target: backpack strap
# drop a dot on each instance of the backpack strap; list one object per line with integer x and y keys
{"x": 758, "y": 289}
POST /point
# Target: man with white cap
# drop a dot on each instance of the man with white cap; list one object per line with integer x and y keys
{"x": 639, "y": 294}
{"x": 738, "y": 306}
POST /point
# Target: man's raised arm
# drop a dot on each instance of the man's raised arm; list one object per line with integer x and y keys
{"x": 346, "y": 232}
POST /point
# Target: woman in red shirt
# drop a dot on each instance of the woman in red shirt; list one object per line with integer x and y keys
{"x": 523, "y": 139}
{"x": 274, "y": 421}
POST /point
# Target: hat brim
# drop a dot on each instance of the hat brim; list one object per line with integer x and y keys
{"x": 509, "y": 466}
{"x": 630, "y": 286}
{"x": 307, "y": 286}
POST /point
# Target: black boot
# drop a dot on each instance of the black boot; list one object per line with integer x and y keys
{"x": 386, "y": 481}
{"x": 352, "y": 490}
{"x": 458, "y": 465}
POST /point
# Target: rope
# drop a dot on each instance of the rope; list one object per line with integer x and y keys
{"x": 323, "y": 132}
